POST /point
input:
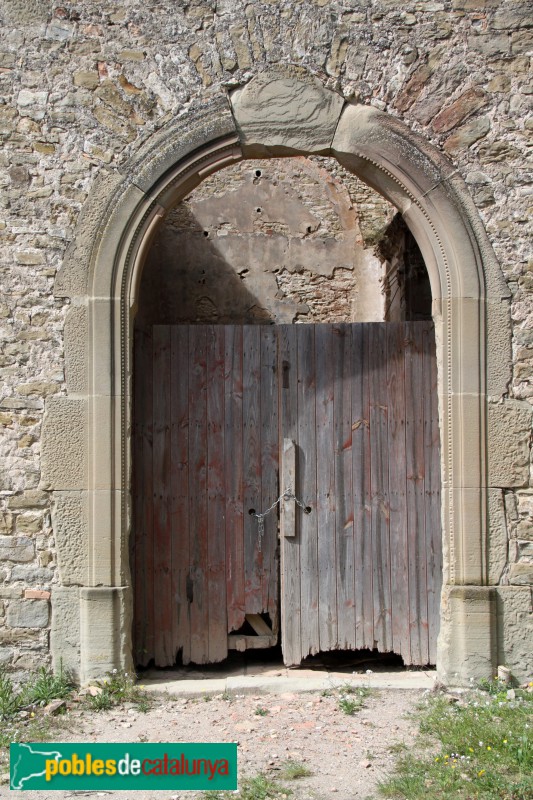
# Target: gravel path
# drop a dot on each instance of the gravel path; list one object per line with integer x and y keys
{"x": 347, "y": 755}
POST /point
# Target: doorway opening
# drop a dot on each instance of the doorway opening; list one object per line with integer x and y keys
{"x": 275, "y": 305}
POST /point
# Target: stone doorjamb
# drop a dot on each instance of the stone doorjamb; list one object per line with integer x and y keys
{"x": 86, "y": 453}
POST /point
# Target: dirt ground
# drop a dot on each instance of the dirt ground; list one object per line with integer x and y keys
{"x": 346, "y": 754}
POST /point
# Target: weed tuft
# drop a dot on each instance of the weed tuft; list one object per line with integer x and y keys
{"x": 292, "y": 770}
{"x": 46, "y": 687}
{"x": 10, "y": 699}
{"x": 351, "y": 698}
{"x": 116, "y": 688}
{"x": 257, "y": 788}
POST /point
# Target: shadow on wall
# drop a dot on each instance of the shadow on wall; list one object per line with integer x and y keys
{"x": 186, "y": 280}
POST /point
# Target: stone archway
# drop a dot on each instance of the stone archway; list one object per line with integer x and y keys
{"x": 86, "y": 458}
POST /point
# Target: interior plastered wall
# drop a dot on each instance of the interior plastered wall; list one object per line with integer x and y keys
{"x": 274, "y": 240}
{"x": 86, "y": 88}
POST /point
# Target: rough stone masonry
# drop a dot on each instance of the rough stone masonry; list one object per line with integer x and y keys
{"x": 85, "y": 85}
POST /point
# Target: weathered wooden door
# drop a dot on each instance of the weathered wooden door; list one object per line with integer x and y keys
{"x": 213, "y": 406}
{"x": 205, "y": 454}
{"x": 363, "y": 569}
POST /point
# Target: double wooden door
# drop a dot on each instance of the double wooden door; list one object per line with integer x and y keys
{"x": 356, "y": 407}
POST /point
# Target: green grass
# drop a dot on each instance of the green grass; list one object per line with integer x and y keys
{"x": 292, "y": 770}
{"x": 257, "y": 788}
{"x": 21, "y": 708}
{"x": 260, "y": 711}
{"x": 352, "y": 698}
{"x": 482, "y": 750}
{"x": 41, "y": 689}
{"x": 46, "y": 686}
{"x": 116, "y": 688}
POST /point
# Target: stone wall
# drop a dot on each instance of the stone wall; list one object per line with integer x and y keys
{"x": 84, "y": 86}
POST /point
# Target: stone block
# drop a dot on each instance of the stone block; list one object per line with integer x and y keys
{"x": 16, "y": 548}
{"x": 105, "y": 631}
{"x": 467, "y": 134}
{"x": 6, "y": 656}
{"x": 6, "y": 522}
{"x": 32, "y": 104}
{"x": 515, "y": 630}
{"x": 499, "y": 348}
{"x": 30, "y": 499}
{"x": 86, "y": 80}
{"x": 25, "y": 12}
{"x": 284, "y": 111}
{"x": 30, "y": 574}
{"x": 65, "y": 630}
{"x": 467, "y": 646}
{"x": 64, "y": 444}
{"x": 467, "y": 104}
{"x": 30, "y": 662}
{"x": 523, "y": 515}
{"x": 76, "y": 348}
{"x": 9, "y": 592}
{"x": 512, "y": 15}
{"x": 489, "y": 44}
{"x": 28, "y": 613}
{"x": 71, "y": 530}
{"x": 509, "y": 431}
{"x": 498, "y": 537}
{"x": 29, "y": 523}
{"x": 19, "y": 636}
{"x": 40, "y": 388}
{"x": 525, "y": 550}
{"x": 521, "y": 574}
{"x": 115, "y": 122}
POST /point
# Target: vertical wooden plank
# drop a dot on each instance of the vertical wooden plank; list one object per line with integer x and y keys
{"x": 198, "y": 590}
{"x": 269, "y": 472}
{"x": 163, "y": 653}
{"x": 216, "y": 533}
{"x": 288, "y": 481}
{"x": 432, "y": 488}
{"x": 364, "y": 606}
{"x": 142, "y": 565}
{"x": 379, "y": 488}
{"x": 397, "y": 491}
{"x": 326, "y": 487}
{"x": 306, "y": 488}
{"x": 181, "y": 624}
{"x": 344, "y": 511}
{"x": 251, "y": 413}
{"x": 233, "y": 378}
{"x": 414, "y": 427}
{"x": 290, "y": 547}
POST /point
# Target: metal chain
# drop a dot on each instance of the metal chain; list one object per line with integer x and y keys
{"x": 288, "y": 494}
